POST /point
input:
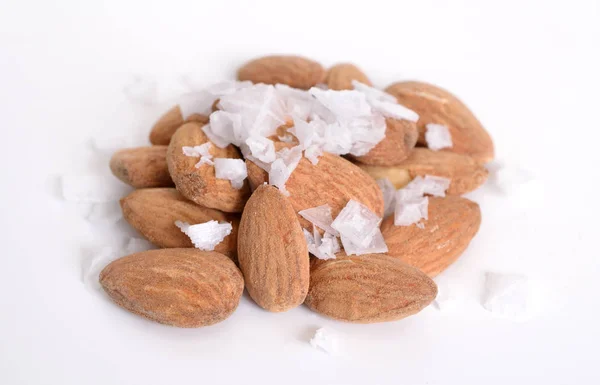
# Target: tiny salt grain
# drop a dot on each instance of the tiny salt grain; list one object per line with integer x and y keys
{"x": 437, "y": 136}
{"x": 205, "y": 236}
{"x": 325, "y": 340}
{"x": 92, "y": 188}
{"x": 410, "y": 211}
{"x": 231, "y": 169}
{"x": 356, "y": 222}
{"x": 507, "y": 296}
{"x": 389, "y": 195}
{"x": 321, "y": 217}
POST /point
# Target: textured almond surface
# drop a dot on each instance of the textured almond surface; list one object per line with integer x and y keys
{"x": 153, "y": 212}
{"x": 295, "y": 71}
{"x": 340, "y": 76}
{"x": 142, "y": 167}
{"x": 398, "y": 176}
{"x": 368, "y": 288}
{"x": 272, "y": 251}
{"x": 200, "y": 184}
{"x": 436, "y": 105}
{"x": 179, "y": 287}
{"x": 333, "y": 181}
{"x": 400, "y": 138}
{"x": 165, "y": 127}
{"x": 453, "y": 222}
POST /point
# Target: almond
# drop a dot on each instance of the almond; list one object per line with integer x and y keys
{"x": 398, "y": 176}
{"x": 340, "y": 76}
{"x": 165, "y": 127}
{"x": 153, "y": 212}
{"x": 200, "y": 184}
{"x": 295, "y": 71}
{"x": 436, "y": 105}
{"x": 368, "y": 288}
{"x": 179, "y": 287}
{"x": 464, "y": 172}
{"x": 272, "y": 251}
{"x": 333, "y": 181}
{"x": 453, "y": 222}
{"x": 142, "y": 167}
{"x": 400, "y": 139}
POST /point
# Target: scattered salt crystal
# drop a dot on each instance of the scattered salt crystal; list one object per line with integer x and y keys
{"x": 420, "y": 225}
{"x": 93, "y": 188}
{"x": 321, "y": 217}
{"x": 298, "y": 103}
{"x": 410, "y": 211}
{"x": 507, "y": 296}
{"x": 143, "y": 91}
{"x": 205, "y": 236}
{"x": 312, "y": 153}
{"x": 385, "y": 103}
{"x": 232, "y": 169}
{"x": 286, "y": 138}
{"x": 325, "y": 340}
{"x": 445, "y": 298}
{"x": 104, "y": 213}
{"x": 356, "y": 222}
{"x": 507, "y": 177}
{"x": 202, "y": 151}
{"x": 437, "y": 136}
{"x": 419, "y": 186}
{"x": 137, "y": 245}
{"x": 373, "y": 93}
{"x": 225, "y": 128}
{"x": 376, "y": 244}
{"x": 322, "y": 247}
{"x": 261, "y": 148}
{"x": 279, "y": 173}
{"x": 389, "y": 195}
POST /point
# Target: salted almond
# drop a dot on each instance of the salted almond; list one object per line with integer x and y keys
{"x": 200, "y": 185}
{"x": 333, "y": 181}
{"x": 272, "y": 251}
{"x": 398, "y": 176}
{"x": 368, "y": 288}
{"x": 153, "y": 212}
{"x": 295, "y": 71}
{"x": 165, "y": 127}
{"x": 436, "y": 105}
{"x": 400, "y": 139}
{"x": 340, "y": 76}
{"x": 142, "y": 167}
{"x": 187, "y": 288}
{"x": 453, "y": 222}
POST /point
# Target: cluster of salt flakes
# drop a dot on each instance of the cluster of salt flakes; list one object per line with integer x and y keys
{"x": 338, "y": 122}
{"x": 437, "y": 136}
{"x": 205, "y": 236}
{"x": 412, "y": 204}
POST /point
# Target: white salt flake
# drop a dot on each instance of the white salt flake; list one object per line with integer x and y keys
{"x": 446, "y": 298}
{"x": 410, "y": 211}
{"x": 325, "y": 340}
{"x": 261, "y": 148}
{"x": 419, "y": 186}
{"x": 420, "y": 225}
{"x": 507, "y": 296}
{"x": 508, "y": 178}
{"x": 286, "y": 138}
{"x": 376, "y": 244}
{"x": 373, "y": 93}
{"x": 345, "y": 105}
{"x": 202, "y": 151}
{"x": 298, "y": 103}
{"x": 205, "y": 236}
{"x": 322, "y": 247}
{"x": 225, "y": 128}
{"x": 92, "y": 188}
{"x": 321, "y": 217}
{"x": 437, "y": 136}
{"x": 356, "y": 222}
{"x": 199, "y": 102}
{"x": 279, "y": 173}
{"x": 384, "y": 103}
{"x": 232, "y": 169}
{"x": 104, "y": 213}
{"x": 142, "y": 90}
{"x": 389, "y": 195}
{"x": 312, "y": 153}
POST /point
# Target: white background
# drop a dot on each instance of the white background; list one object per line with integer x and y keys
{"x": 528, "y": 69}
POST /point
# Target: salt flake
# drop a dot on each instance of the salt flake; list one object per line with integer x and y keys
{"x": 385, "y": 103}
{"x": 321, "y": 217}
{"x": 325, "y": 340}
{"x": 356, "y": 222}
{"x": 376, "y": 244}
{"x": 389, "y": 195}
{"x": 202, "y": 151}
{"x": 507, "y": 296}
{"x": 232, "y": 169}
{"x": 205, "y": 236}
{"x": 437, "y": 136}
{"x": 410, "y": 211}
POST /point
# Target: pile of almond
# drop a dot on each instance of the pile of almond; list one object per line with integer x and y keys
{"x": 304, "y": 186}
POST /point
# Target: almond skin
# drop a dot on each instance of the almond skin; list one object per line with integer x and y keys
{"x": 295, "y": 71}
{"x": 142, "y": 167}
{"x": 200, "y": 184}
{"x": 340, "y": 76}
{"x": 153, "y": 212}
{"x": 187, "y": 288}
{"x": 333, "y": 181}
{"x": 272, "y": 251}
{"x": 453, "y": 222}
{"x": 400, "y": 138}
{"x": 165, "y": 127}
{"x": 398, "y": 176}
{"x": 368, "y": 288}
{"x": 436, "y": 105}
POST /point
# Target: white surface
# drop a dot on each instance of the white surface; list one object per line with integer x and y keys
{"x": 529, "y": 69}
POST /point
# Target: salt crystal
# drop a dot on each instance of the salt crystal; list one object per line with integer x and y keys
{"x": 385, "y": 103}
{"x": 420, "y": 225}
{"x": 323, "y": 247}
{"x": 419, "y": 186}
{"x": 286, "y": 138}
{"x": 205, "y": 236}
{"x": 141, "y": 90}
{"x": 261, "y": 148}
{"x": 92, "y": 188}
{"x": 389, "y": 195}
{"x": 104, "y": 213}
{"x": 137, "y": 245}
{"x": 298, "y": 103}
{"x": 410, "y": 211}
{"x": 508, "y": 178}
{"x": 437, "y": 136}
{"x": 507, "y": 296}
{"x": 373, "y": 93}
{"x": 325, "y": 340}
{"x": 225, "y": 128}
{"x": 356, "y": 222}
{"x": 321, "y": 217}
{"x": 376, "y": 244}
{"x": 312, "y": 153}
{"x": 445, "y": 298}
{"x": 232, "y": 169}
{"x": 345, "y": 104}
{"x": 202, "y": 151}
{"x": 279, "y": 173}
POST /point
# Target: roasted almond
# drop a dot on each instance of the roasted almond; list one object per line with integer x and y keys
{"x": 200, "y": 184}
{"x": 165, "y": 127}
{"x": 436, "y": 105}
{"x": 295, "y": 71}
{"x": 453, "y": 222}
{"x": 179, "y": 287}
{"x": 368, "y": 288}
{"x": 400, "y": 139}
{"x": 142, "y": 167}
{"x": 272, "y": 251}
{"x": 340, "y": 76}
{"x": 153, "y": 212}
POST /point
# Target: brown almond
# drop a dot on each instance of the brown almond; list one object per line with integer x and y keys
{"x": 153, "y": 212}
{"x": 165, "y": 127}
{"x": 180, "y": 287}
{"x": 398, "y": 176}
{"x": 333, "y": 181}
{"x": 368, "y": 288}
{"x": 295, "y": 71}
{"x": 142, "y": 167}
{"x": 340, "y": 76}
{"x": 200, "y": 185}
{"x": 272, "y": 251}
{"x": 436, "y": 105}
{"x": 400, "y": 139}
{"x": 453, "y": 222}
